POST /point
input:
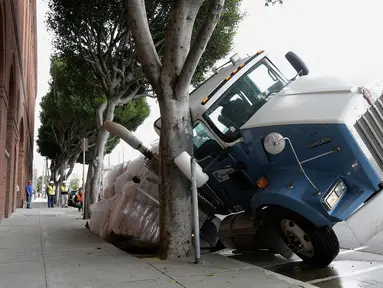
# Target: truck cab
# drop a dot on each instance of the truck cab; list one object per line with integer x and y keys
{"x": 297, "y": 155}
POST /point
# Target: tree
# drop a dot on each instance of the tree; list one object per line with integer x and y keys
{"x": 68, "y": 113}
{"x": 96, "y": 31}
{"x": 66, "y": 116}
{"x": 273, "y": 2}
{"x": 170, "y": 77}
{"x": 74, "y": 183}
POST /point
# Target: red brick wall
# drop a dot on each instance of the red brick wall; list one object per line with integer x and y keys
{"x": 17, "y": 99}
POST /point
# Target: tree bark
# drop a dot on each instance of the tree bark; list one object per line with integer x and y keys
{"x": 94, "y": 177}
{"x": 175, "y": 192}
{"x": 59, "y": 181}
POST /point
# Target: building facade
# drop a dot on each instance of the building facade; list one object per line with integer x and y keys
{"x": 18, "y": 91}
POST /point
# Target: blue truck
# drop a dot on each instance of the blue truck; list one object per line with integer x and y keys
{"x": 287, "y": 159}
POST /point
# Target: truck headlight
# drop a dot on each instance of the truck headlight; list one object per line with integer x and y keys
{"x": 334, "y": 195}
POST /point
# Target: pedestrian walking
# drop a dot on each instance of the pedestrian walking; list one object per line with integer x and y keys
{"x": 64, "y": 195}
{"x": 29, "y": 193}
{"x": 51, "y": 191}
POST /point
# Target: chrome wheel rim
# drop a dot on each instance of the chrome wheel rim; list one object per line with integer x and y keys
{"x": 296, "y": 238}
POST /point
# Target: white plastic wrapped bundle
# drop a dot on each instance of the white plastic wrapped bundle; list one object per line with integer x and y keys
{"x": 98, "y": 210}
{"x": 112, "y": 175}
{"x": 136, "y": 212}
{"x": 110, "y": 179}
{"x": 144, "y": 214}
{"x": 105, "y": 186}
{"x": 109, "y": 192}
{"x": 135, "y": 166}
{"x": 118, "y": 215}
{"x": 105, "y": 220}
{"x": 129, "y": 209}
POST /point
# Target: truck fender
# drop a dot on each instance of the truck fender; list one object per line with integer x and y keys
{"x": 272, "y": 198}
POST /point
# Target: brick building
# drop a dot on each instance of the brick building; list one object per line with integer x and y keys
{"x": 18, "y": 87}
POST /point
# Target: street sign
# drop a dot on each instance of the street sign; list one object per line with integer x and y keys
{"x": 84, "y": 144}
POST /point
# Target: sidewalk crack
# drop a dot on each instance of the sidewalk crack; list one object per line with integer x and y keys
{"x": 163, "y": 273}
{"x": 42, "y": 251}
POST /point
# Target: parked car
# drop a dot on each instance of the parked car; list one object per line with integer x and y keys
{"x": 71, "y": 201}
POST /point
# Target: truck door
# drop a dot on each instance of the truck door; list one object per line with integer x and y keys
{"x": 367, "y": 220}
{"x": 225, "y": 178}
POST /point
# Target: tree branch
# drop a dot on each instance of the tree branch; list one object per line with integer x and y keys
{"x": 178, "y": 38}
{"x": 199, "y": 46}
{"x": 73, "y": 163}
{"x": 129, "y": 97}
{"x": 113, "y": 37}
{"x": 138, "y": 23}
{"x": 58, "y": 141}
{"x": 100, "y": 113}
{"x": 144, "y": 95}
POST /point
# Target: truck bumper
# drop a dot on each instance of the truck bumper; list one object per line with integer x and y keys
{"x": 367, "y": 220}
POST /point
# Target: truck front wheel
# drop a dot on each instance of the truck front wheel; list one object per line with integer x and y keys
{"x": 317, "y": 246}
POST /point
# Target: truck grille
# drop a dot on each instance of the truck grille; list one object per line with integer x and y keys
{"x": 370, "y": 129}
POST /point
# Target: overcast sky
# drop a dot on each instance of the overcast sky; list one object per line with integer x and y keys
{"x": 334, "y": 37}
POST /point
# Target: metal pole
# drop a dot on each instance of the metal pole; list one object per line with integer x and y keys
{"x": 46, "y": 174}
{"x": 123, "y": 154}
{"x": 83, "y": 166}
{"x": 43, "y": 181}
{"x": 193, "y": 164}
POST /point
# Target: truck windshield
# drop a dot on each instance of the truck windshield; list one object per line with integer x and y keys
{"x": 248, "y": 94}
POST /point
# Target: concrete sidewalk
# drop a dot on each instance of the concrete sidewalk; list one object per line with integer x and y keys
{"x": 44, "y": 247}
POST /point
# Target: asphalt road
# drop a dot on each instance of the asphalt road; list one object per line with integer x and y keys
{"x": 355, "y": 266}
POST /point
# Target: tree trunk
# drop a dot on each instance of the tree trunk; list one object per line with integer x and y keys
{"x": 59, "y": 182}
{"x": 53, "y": 175}
{"x": 175, "y": 192}
{"x": 96, "y": 166}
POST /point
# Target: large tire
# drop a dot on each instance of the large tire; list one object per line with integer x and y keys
{"x": 295, "y": 229}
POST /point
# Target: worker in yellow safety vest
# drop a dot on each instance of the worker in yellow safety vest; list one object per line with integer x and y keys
{"x": 64, "y": 195}
{"x": 51, "y": 191}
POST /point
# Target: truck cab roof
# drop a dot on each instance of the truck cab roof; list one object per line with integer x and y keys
{"x": 213, "y": 82}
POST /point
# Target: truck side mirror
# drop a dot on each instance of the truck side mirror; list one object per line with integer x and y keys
{"x": 297, "y": 63}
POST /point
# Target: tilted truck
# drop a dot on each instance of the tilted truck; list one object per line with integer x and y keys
{"x": 286, "y": 159}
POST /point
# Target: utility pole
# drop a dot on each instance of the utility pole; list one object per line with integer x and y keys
{"x": 193, "y": 164}
{"x": 84, "y": 149}
{"x": 43, "y": 181}
{"x": 46, "y": 172}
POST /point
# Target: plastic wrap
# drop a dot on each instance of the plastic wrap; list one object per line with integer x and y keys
{"x": 128, "y": 209}
{"x": 105, "y": 219}
{"x": 98, "y": 210}
{"x": 110, "y": 179}
{"x": 140, "y": 218}
{"x": 118, "y": 215}
{"x": 109, "y": 192}
{"x": 115, "y": 172}
{"x": 121, "y": 181}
